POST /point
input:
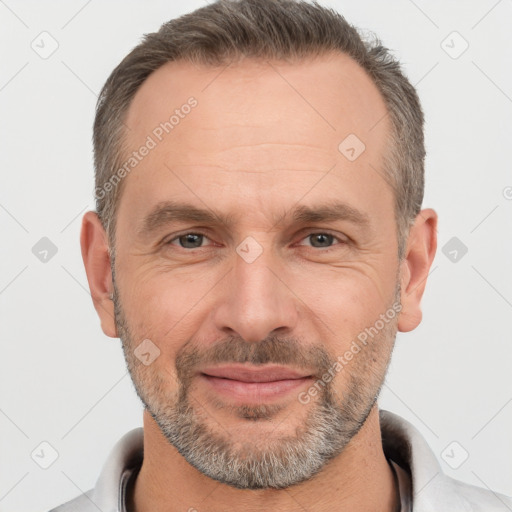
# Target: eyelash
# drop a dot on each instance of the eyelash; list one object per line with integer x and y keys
{"x": 308, "y": 234}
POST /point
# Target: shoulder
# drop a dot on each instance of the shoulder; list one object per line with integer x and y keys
{"x": 108, "y": 493}
{"x": 472, "y": 498}
{"x": 82, "y": 503}
{"x": 432, "y": 489}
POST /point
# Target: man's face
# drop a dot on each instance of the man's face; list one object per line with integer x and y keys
{"x": 265, "y": 283}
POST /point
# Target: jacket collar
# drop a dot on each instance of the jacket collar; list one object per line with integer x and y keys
{"x": 432, "y": 490}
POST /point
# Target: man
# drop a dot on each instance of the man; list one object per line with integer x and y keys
{"x": 258, "y": 243}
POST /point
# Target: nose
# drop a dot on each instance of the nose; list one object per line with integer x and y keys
{"x": 256, "y": 302}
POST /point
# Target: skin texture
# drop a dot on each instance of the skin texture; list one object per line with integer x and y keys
{"x": 262, "y": 140}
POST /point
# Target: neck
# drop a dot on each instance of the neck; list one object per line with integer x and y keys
{"x": 359, "y": 479}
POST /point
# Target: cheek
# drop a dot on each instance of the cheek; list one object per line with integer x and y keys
{"x": 164, "y": 306}
{"x": 344, "y": 301}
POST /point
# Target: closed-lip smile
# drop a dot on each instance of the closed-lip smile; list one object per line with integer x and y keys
{"x": 249, "y": 383}
{"x": 267, "y": 373}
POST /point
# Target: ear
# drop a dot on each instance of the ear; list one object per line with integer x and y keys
{"x": 96, "y": 256}
{"x": 419, "y": 254}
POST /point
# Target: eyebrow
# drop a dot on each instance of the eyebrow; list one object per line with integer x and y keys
{"x": 168, "y": 212}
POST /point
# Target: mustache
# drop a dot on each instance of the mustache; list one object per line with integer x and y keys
{"x": 272, "y": 350}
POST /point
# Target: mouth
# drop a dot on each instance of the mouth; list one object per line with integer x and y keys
{"x": 254, "y": 384}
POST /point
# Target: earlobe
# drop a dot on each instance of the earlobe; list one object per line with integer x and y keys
{"x": 96, "y": 258}
{"x": 415, "y": 267}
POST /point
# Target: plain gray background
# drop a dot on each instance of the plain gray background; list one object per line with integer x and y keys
{"x": 64, "y": 383}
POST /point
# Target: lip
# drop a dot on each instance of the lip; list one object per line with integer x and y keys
{"x": 245, "y": 384}
{"x": 245, "y": 373}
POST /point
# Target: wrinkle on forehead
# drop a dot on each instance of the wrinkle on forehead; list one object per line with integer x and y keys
{"x": 261, "y": 134}
{"x": 309, "y": 103}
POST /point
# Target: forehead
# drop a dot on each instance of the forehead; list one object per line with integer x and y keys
{"x": 318, "y": 99}
{"x": 257, "y": 123}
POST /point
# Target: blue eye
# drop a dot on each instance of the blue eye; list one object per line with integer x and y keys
{"x": 189, "y": 240}
{"x": 194, "y": 240}
{"x": 322, "y": 239}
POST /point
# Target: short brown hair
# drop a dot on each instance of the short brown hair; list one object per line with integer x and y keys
{"x": 229, "y": 30}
